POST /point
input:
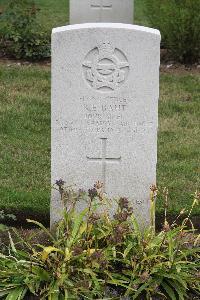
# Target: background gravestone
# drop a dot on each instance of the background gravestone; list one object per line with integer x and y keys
{"x": 92, "y": 11}
{"x": 105, "y": 88}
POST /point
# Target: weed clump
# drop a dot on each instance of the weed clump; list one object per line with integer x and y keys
{"x": 21, "y": 35}
{"x": 92, "y": 255}
{"x": 178, "y": 21}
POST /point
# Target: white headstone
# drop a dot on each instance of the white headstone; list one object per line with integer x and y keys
{"x": 114, "y": 11}
{"x": 105, "y": 89}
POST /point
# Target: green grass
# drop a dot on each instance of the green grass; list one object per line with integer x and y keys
{"x": 139, "y": 15}
{"x": 179, "y": 143}
{"x": 25, "y": 128}
{"x": 25, "y": 138}
{"x": 55, "y": 13}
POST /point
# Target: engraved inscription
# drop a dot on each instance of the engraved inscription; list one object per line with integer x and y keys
{"x": 106, "y": 115}
{"x": 105, "y": 68}
{"x": 104, "y": 160}
{"x": 101, "y": 4}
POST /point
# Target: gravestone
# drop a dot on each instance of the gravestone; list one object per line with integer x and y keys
{"x": 92, "y": 11}
{"x": 105, "y": 88}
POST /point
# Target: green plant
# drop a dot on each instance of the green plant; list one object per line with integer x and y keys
{"x": 4, "y": 217}
{"x": 20, "y": 34}
{"x": 178, "y": 21}
{"x": 91, "y": 255}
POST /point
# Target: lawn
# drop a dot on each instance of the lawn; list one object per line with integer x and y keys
{"x": 25, "y": 138}
{"x": 178, "y": 138}
{"x": 54, "y": 13}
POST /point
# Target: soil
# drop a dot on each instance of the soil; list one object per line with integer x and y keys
{"x": 29, "y": 297}
{"x": 191, "y": 297}
{"x": 36, "y": 236}
{"x": 167, "y": 66}
{"x": 20, "y": 62}
{"x": 22, "y": 216}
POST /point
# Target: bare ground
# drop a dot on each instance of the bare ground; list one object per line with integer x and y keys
{"x": 169, "y": 67}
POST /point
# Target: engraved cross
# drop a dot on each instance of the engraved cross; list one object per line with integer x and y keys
{"x": 104, "y": 160}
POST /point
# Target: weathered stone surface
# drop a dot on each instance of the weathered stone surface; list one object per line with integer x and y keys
{"x": 115, "y": 11}
{"x": 105, "y": 88}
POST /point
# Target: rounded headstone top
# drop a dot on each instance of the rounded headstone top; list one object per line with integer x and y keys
{"x": 106, "y": 25}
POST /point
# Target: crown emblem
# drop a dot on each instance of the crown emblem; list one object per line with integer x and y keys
{"x": 106, "y": 49}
